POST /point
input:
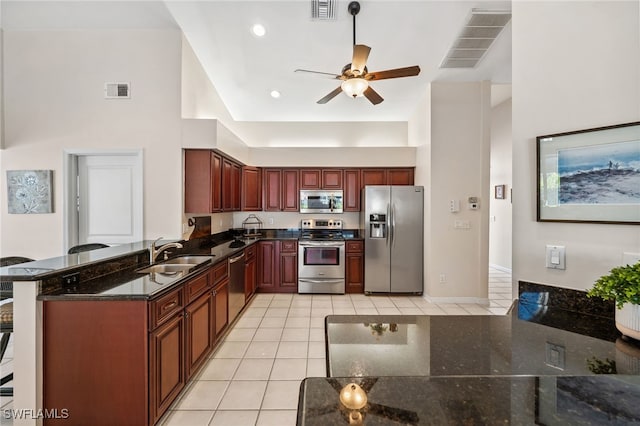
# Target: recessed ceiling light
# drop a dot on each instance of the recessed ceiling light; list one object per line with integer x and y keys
{"x": 275, "y": 94}
{"x": 259, "y": 30}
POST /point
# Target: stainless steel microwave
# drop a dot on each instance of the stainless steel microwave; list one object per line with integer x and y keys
{"x": 320, "y": 201}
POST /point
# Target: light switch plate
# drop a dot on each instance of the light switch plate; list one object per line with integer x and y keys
{"x": 555, "y": 257}
{"x": 555, "y": 355}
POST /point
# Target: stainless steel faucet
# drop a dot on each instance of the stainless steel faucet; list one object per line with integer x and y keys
{"x": 154, "y": 251}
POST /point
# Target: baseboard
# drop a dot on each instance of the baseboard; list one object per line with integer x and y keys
{"x": 500, "y": 268}
{"x": 456, "y": 300}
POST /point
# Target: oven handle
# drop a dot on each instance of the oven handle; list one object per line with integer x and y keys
{"x": 323, "y": 281}
{"x": 322, "y": 244}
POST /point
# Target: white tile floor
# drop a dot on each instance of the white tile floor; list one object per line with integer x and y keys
{"x": 253, "y": 378}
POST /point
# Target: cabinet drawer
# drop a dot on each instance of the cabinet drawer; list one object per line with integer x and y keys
{"x": 288, "y": 246}
{"x": 354, "y": 246}
{"x": 164, "y": 307}
{"x": 219, "y": 272}
{"x": 250, "y": 252}
{"x": 196, "y": 287}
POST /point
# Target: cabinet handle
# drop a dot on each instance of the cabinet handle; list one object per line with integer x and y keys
{"x": 214, "y": 293}
{"x": 169, "y": 306}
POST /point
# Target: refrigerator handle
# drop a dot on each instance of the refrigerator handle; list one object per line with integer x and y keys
{"x": 388, "y": 223}
{"x": 393, "y": 224}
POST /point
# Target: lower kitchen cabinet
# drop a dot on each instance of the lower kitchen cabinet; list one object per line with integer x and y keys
{"x": 354, "y": 268}
{"x": 124, "y": 362}
{"x": 277, "y": 266}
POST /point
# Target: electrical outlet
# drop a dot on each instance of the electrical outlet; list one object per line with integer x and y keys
{"x": 71, "y": 279}
{"x": 443, "y": 278}
{"x": 270, "y": 221}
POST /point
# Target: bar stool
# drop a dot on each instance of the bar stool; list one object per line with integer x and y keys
{"x": 86, "y": 247}
{"x": 6, "y": 318}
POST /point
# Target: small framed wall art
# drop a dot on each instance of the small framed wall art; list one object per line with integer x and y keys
{"x": 29, "y": 191}
{"x": 500, "y": 192}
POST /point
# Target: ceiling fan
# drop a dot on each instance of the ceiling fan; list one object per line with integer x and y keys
{"x": 355, "y": 76}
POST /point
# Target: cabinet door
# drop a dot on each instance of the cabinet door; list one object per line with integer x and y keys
{"x": 199, "y": 332}
{"x": 331, "y": 179}
{"x": 267, "y": 264}
{"x": 166, "y": 370}
{"x": 354, "y": 268}
{"x": 288, "y": 266}
{"x": 403, "y": 176}
{"x": 351, "y": 190}
{"x": 202, "y": 174}
{"x": 310, "y": 179}
{"x": 290, "y": 193}
{"x": 251, "y": 189}
{"x": 221, "y": 307}
{"x": 373, "y": 177}
{"x": 231, "y": 185}
{"x": 272, "y": 189}
{"x": 250, "y": 269}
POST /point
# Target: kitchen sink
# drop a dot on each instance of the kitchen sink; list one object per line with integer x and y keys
{"x": 176, "y": 264}
{"x": 187, "y": 260}
{"x": 165, "y": 268}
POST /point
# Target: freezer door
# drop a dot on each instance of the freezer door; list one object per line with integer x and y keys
{"x": 406, "y": 240}
{"x": 375, "y": 200}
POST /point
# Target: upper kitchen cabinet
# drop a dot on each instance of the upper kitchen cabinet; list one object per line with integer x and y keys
{"x": 202, "y": 181}
{"x": 351, "y": 200}
{"x": 231, "y": 181}
{"x": 251, "y": 188}
{"x": 387, "y": 176}
{"x": 212, "y": 182}
{"x": 320, "y": 178}
{"x": 280, "y": 188}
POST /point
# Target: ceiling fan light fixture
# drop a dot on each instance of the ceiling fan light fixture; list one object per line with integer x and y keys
{"x": 354, "y": 87}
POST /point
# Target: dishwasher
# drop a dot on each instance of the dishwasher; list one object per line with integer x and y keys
{"x": 236, "y": 286}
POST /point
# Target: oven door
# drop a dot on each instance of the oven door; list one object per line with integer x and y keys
{"x": 321, "y": 259}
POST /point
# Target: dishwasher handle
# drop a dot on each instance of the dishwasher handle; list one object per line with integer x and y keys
{"x": 235, "y": 259}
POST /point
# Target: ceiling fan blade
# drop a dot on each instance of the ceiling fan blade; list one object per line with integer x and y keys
{"x": 373, "y": 96}
{"x": 330, "y": 96}
{"x": 334, "y": 75}
{"x": 360, "y": 55}
{"x": 394, "y": 73}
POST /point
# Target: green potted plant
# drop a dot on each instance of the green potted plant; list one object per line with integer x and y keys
{"x": 622, "y": 285}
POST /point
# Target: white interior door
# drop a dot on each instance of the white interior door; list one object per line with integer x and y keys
{"x": 109, "y": 199}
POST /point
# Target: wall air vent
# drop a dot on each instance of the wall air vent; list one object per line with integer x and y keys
{"x": 475, "y": 38}
{"x": 117, "y": 91}
{"x": 323, "y": 10}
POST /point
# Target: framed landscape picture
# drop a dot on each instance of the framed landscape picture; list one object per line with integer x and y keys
{"x": 590, "y": 175}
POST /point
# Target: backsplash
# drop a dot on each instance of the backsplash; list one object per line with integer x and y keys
{"x": 287, "y": 220}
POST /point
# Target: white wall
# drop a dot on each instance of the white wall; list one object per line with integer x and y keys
{"x": 53, "y": 100}
{"x": 459, "y": 168}
{"x": 500, "y": 222}
{"x": 576, "y": 65}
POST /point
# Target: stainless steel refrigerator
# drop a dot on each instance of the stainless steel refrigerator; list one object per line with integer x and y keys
{"x": 392, "y": 218}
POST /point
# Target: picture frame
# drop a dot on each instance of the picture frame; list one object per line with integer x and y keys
{"x": 500, "y": 191}
{"x": 590, "y": 175}
{"x": 29, "y": 191}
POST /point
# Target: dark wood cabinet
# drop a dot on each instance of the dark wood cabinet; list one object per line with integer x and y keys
{"x": 250, "y": 271}
{"x": 288, "y": 266}
{"x": 221, "y": 308}
{"x": 202, "y": 185}
{"x": 251, "y": 189}
{"x": 351, "y": 201}
{"x": 199, "y": 331}
{"x": 354, "y": 268}
{"x": 277, "y": 266}
{"x": 387, "y": 176}
{"x": 231, "y": 185}
{"x": 280, "y": 190}
{"x": 331, "y": 178}
{"x": 310, "y": 179}
{"x": 166, "y": 370}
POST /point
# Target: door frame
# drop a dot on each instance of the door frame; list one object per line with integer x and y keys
{"x": 70, "y": 188}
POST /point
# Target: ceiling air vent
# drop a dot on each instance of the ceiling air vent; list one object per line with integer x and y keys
{"x": 323, "y": 10}
{"x": 117, "y": 91}
{"x": 481, "y": 29}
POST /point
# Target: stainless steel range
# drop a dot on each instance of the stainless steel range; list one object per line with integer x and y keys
{"x": 321, "y": 257}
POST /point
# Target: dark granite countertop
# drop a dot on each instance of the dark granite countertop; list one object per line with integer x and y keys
{"x": 478, "y": 400}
